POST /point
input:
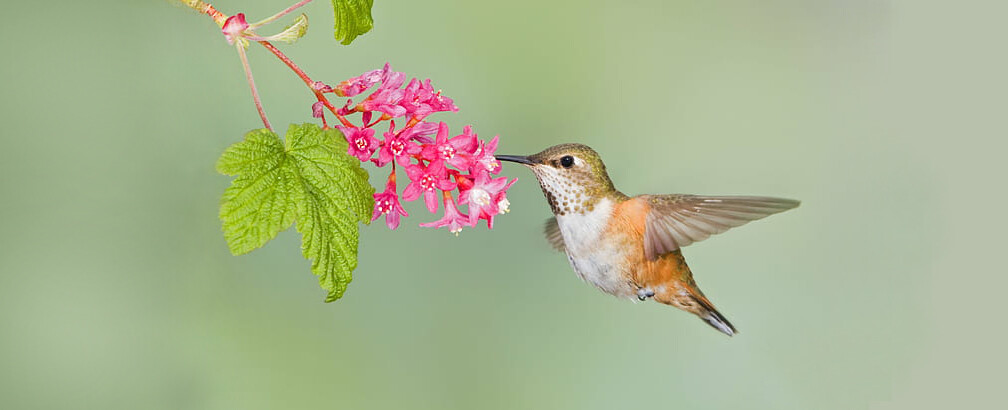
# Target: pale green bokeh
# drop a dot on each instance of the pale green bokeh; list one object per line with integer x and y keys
{"x": 883, "y": 290}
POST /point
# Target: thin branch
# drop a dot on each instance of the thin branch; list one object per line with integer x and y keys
{"x": 307, "y": 80}
{"x": 280, "y": 14}
{"x": 220, "y": 19}
{"x": 206, "y": 8}
{"x": 255, "y": 93}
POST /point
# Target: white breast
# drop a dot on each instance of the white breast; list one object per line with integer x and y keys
{"x": 592, "y": 257}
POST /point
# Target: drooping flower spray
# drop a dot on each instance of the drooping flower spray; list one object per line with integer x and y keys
{"x": 438, "y": 168}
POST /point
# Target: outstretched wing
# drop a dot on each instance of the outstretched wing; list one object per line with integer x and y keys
{"x": 674, "y": 221}
{"x": 553, "y": 235}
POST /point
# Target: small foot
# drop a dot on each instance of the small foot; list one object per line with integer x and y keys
{"x": 643, "y": 294}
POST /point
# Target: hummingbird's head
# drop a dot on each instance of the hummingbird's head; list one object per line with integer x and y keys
{"x": 572, "y": 176}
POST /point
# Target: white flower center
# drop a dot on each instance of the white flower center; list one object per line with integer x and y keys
{"x": 504, "y": 206}
{"x": 361, "y": 143}
{"x": 480, "y": 197}
{"x": 397, "y": 147}
{"x": 492, "y": 164}
{"x": 447, "y": 152}
{"x": 427, "y": 182}
{"x": 385, "y": 206}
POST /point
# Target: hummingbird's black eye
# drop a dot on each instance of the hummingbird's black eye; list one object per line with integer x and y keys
{"x": 567, "y": 161}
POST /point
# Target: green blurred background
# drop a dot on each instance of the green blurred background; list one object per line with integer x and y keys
{"x": 883, "y": 290}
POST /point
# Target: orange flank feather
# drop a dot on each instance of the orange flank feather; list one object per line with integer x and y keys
{"x": 668, "y": 276}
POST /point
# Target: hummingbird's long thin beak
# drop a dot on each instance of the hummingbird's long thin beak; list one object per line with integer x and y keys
{"x": 514, "y": 158}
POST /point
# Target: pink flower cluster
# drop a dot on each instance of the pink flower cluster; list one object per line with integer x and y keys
{"x": 437, "y": 167}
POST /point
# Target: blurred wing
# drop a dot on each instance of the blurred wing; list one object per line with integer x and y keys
{"x": 674, "y": 221}
{"x": 553, "y": 235}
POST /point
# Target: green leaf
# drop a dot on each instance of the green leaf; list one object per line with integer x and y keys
{"x": 260, "y": 201}
{"x": 293, "y": 32}
{"x": 352, "y": 18}
{"x": 336, "y": 196}
{"x": 309, "y": 179}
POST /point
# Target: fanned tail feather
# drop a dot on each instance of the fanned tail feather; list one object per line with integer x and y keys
{"x": 709, "y": 314}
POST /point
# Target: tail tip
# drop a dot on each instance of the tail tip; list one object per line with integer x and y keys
{"x": 718, "y": 322}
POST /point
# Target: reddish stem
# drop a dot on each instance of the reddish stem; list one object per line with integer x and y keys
{"x": 307, "y": 80}
{"x": 220, "y": 19}
{"x": 217, "y": 16}
{"x": 206, "y": 8}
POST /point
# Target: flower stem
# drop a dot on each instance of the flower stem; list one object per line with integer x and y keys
{"x": 307, "y": 80}
{"x": 220, "y": 19}
{"x": 255, "y": 92}
{"x": 280, "y": 14}
{"x": 206, "y": 8}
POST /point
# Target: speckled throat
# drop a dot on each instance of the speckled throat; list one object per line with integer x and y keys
{"x": 577, "y": 189}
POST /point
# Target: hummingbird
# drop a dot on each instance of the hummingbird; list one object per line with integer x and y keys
{"x": 630, "y": 247}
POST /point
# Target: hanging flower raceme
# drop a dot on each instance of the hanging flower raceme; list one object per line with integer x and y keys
{"x": 438, "y": 168}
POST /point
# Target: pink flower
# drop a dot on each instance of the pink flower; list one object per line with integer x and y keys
{"x": 234, "y": 27}
{"x": 391, "y": 79}
{"x": 426, "y": 180}
{"x": 452, "y": 218}
{"x": 503, "y": 205}
{"x": 321, "y": 87}
{"x": 317, "y": 109}
{"x": 387, "y": 97}
{"x": 420, "y": 132}
{"x": 361, "y": 140}
{"x": 420, "y": 100}
{"x": 415, "y": 98}
{"x": 359, "y": 84}
{"x": 398, "y": 148}
{"x": 347, "y": 108}
{"x": 484, "y": 160}
{"x": 484, "y": 197}
{"x": 453, "y": 151}
{"x": 387, "y": 203}
{"x": 385, "y": 100}
{"x": 441, "y": 103}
